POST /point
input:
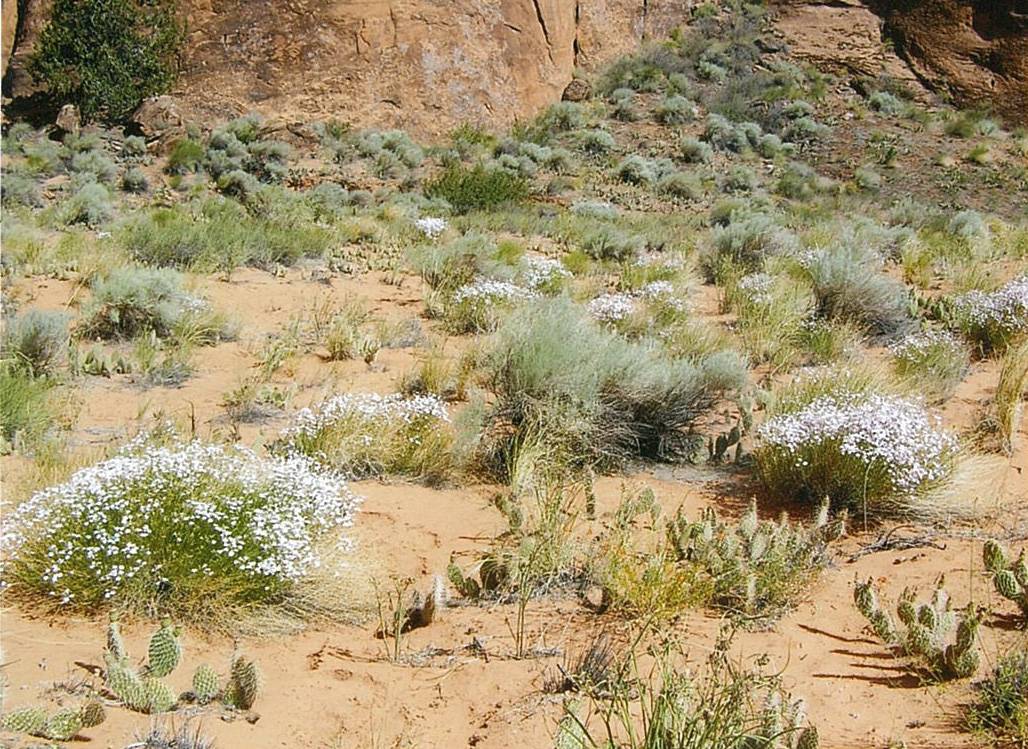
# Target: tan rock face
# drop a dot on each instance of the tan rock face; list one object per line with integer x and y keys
{"x": 424, "y": 65}
{"x": 427, "y": 65}
{"x": 974, "y": 50}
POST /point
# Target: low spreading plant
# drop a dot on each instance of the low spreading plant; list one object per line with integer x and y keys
{"x": 479, "y": 306}
{"x": 372, "y": 435}
{"x": 880, "y": 453}
{"x": 186, "y": 528}
{"x": 926, "y": 630}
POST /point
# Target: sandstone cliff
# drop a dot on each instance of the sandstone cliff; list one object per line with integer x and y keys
{"x": 428, "y": 64}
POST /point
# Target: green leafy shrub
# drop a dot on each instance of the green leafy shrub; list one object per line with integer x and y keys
{"x": 373, "y": 435}
{"x": 1001, "y": 707}
{"x": 106, "y": 56}
{"x": 254, "y": 526}
{"x": 477, "y": 188}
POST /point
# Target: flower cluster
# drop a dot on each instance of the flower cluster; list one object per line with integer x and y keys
{"x": 1005, "y": 309}
{"x": 490, "y": 291}
{"x": 757, "y": 287}
{"x": 895, "y": 434}
{"x": 369, "y": 407}
{"x": 542, "y": 272}
{"x": 612, "y": 307}
{"x": 166, "y": 517}
{"x": 431, "y": 226}
{"x": 919, "y": 346}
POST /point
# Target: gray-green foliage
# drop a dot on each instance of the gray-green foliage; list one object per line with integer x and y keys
{"x": 36, "y": 341}
{"x": 925, "y": 629}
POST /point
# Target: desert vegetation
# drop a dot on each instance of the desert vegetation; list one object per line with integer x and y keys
{"x": 688, "y": 414}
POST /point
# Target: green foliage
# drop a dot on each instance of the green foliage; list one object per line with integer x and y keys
{"x": 90, "y": 204}
{"x": 106, "y": 56}
{"x": 1010, "y": 578}
{"x": 477, "y": 188}
{"x": 1001, "y": 707}
{"x": 26, "y": 414}
{"x": 925, "y": 630}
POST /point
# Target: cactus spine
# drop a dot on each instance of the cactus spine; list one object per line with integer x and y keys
{"x": 243, "y": 683}
{"x": 62, "y": 725}
{"x": 26, "y": 720}
{"x": 115, "y": 644}
{"x": 92, "y": 714}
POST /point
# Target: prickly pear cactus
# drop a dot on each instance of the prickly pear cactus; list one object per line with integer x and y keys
{"x": 28, "y": 720}
{"x": 244, "y": 683}
{"x": 125, "y": 684}
{"x": 466, "y": 586}
{"x": 115, "y": 644}
{"x": 1009, "y": 579}
{"x": 62, "y": 725}
{"x": 206, "y": 684}
{"x": 92, "y": 714}
{"x": 808, "y": 739}
{"x": 165, "y": 651}
{"x": 158, "y": 695}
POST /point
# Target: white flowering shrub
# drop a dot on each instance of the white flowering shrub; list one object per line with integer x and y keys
{"x": 612, "y": 308}
{"x": 364, "y": 435}
{"x": 934, "y": 361}
{"x": 184, "y": 526}
{"x": 865, "y": 450}
{"x": 477, "y": 307}
{"x": 544, "y": 275}
{"x": 773, "y": 315}
{"x": 994, "y": 320}
{"x": 432, "y": 227}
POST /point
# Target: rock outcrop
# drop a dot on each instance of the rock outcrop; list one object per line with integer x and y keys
{"x": 975, "y": 51}
{"x": 427, "y": 65}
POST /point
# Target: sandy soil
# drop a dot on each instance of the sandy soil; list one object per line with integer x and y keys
{"x": 460, "y": 685}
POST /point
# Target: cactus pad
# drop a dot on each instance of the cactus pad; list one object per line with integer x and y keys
{"x": 26, "y": 720}
{"x": 164, "y": 652}
{"x": 206, "y": 685}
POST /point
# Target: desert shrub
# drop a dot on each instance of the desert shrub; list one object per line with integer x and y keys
{"x": 849, "y": 287}
{"x": 479, "y": 306}
{"x": 448, "y": 266}
{"x": 588, "y": 395}
{"x": 477, "y": 188}
{"x": 804, "y": 130}
{"x": 695, "y": 151}
{"x": 886, "y": 103}
{"x": 993, "y": 320}
{"x": 740, "y": 179}
{"x": 19, "y": 189}
{"x": 90, "y": 204}
{"x": 25, "y": 413}
{"x": 745, "y": 243}
{"x": 1001, "y": 705}
{"x": 967, "y": 124}
{"x": 867, "y": 179}
{"x": 933, "y": 362}
{"x": 106, "y": 56}
{"x": 186, "y": 156}
{"x": 372, "y": 435}
{"x": 877, "y": 453}
{"x": 799, "y": 181}
{"x": 94, "y": 165}
{"x": 725, "y": 136}
{"x": 623, "y": 106}
{"x": 681, "y": 185}
{"x": 562, "y": 116}
{"x": 112, "y": 535}
{"x": 759, "y": 570}
{"x": 636, "y": 170}
{"x": 36, "y": 340}
{"x": 716, "y": 706}
{"x": 1011, "y": 390}
{"x": 134, "y": 180}
{"x": 595, "y": 141}
{"x": 131, "y": 301}
{"x": 674, "y": 110}
{"x": 219, "y": 234}
{"x": 773, "y": 313}
{"x": 611, "y": 243}
{"x": 134, "y": 147}
{"x": 543, "y": 275}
